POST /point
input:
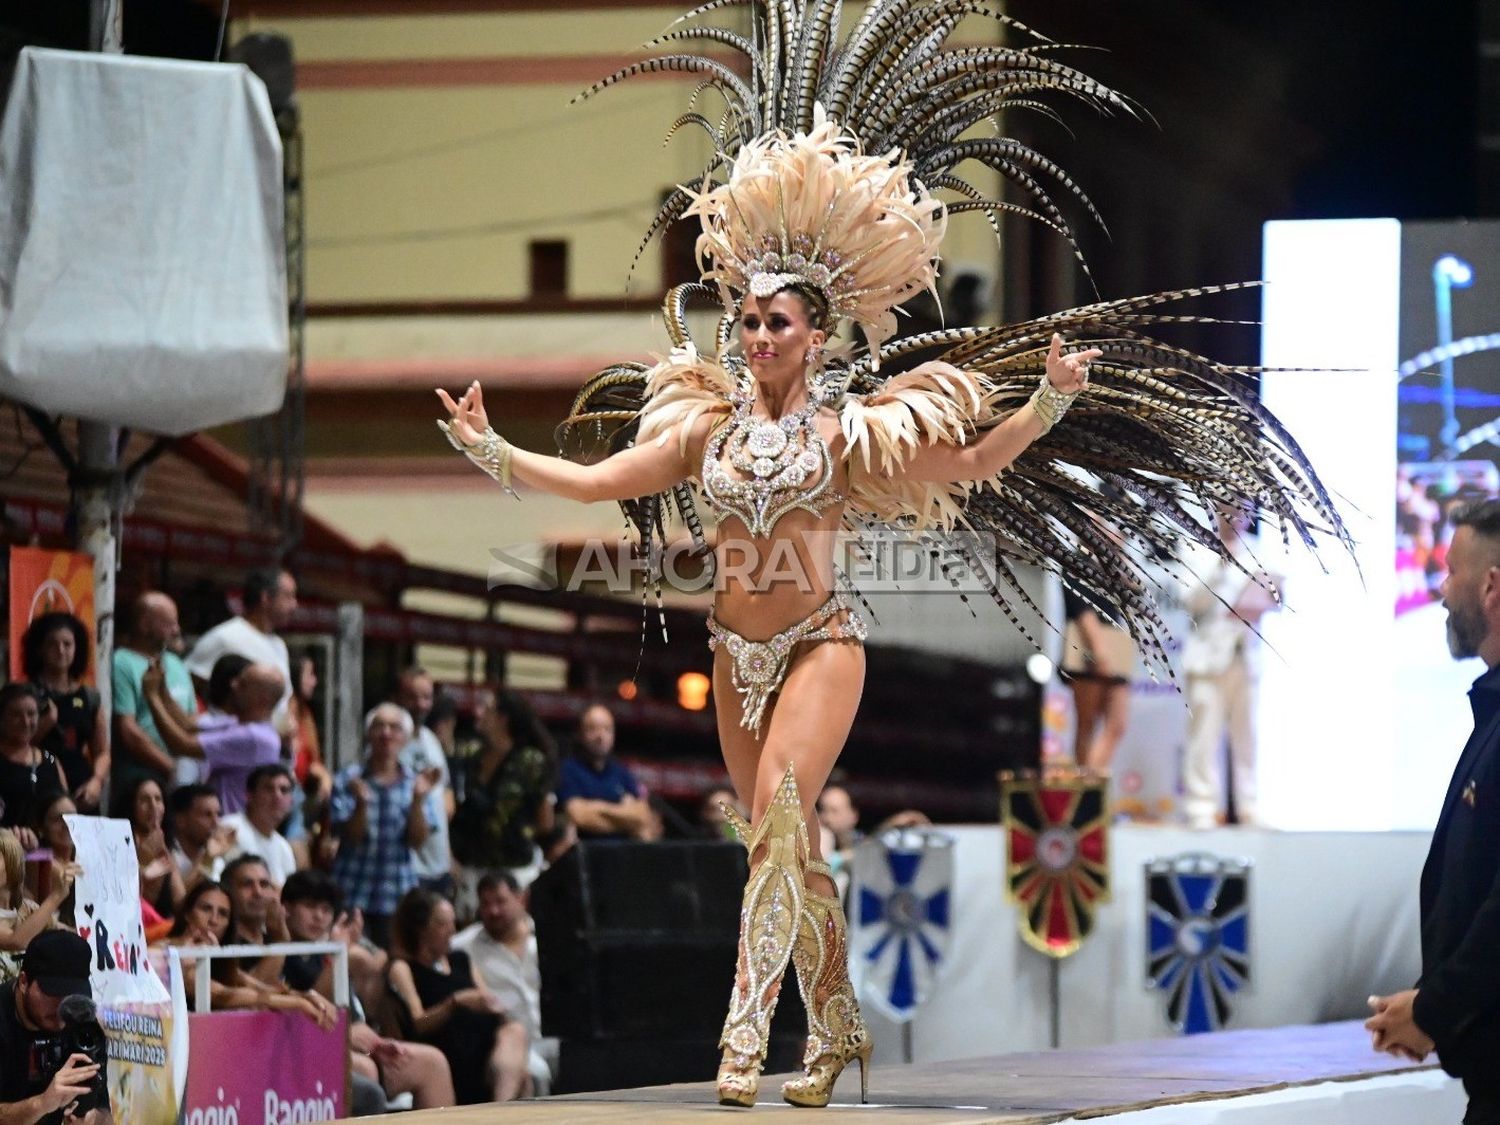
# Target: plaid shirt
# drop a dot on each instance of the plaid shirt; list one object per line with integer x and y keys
{"x": 375, "y": 873}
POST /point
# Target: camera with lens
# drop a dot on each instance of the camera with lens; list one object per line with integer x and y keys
{"x": 81, "y": 1034}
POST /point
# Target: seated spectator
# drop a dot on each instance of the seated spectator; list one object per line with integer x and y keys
{"x": 141, "y": 804}
{"x": 52, "y": 831}
{"x": 200, "y": 841}
{"x": 502, "y": 948}
{"x": 230, "y": 750}
{"x": 313, "y": 901}
{"x": 29, "y": 775}
{"x": 599, "y": 794}
{"x": 439, "y": 1001}
{"x": 136, "y": 746}
{"x": 380, "y": 811}
{"x": 208, "y": 918}
{"x": 268, "y": 800}
{"x": 72, "y": 728}
{"x": 259, "y": 916}
{"x": 507, "y": 790}
{"x": 21, "y": 919}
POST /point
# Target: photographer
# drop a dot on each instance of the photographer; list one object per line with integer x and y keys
{"x": 41, "y": 1079}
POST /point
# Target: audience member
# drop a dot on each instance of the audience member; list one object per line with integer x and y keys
{"x": 136, "y": 746}
{"x": 230, "y": 750}
{"x": 269, "y": 799}
{"x": 268, "y": 601}
{"x": 502, "y": 949}
{"x": 423, "y": 753}
{"x": 200, "y": 841}
{"x": 260, "y": 919}
{"x": 206, "y": 917}
{"x": 313, "y": 900}
{"x": 219, "y": 695}
{"x": 53, "y": 834}
{"x": 440, "y": 1001}
{"x": 141, "y": 803}
{"x": 599, "y": 794}
{"x": 314, "y": 782}
{"x": 507, "y": 787}
{"x": 29, "y": 775}
{"x": 379, "y": 809}
{"x": 55, "y": 656}
{"x": 21, "y": 918}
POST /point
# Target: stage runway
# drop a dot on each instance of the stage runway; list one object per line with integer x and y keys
{"x": 1023, "y": 1089}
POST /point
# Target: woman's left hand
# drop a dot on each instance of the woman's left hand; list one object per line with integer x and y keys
{"x": 87, "y": 794}
{"x": 1069, "y": 373}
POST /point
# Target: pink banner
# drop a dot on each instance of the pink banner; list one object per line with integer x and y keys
{"x": 265, "y": 1066}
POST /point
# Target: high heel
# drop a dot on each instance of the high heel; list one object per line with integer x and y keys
{"x": 836, "y": 1032}
{"x": 770, "y": 915}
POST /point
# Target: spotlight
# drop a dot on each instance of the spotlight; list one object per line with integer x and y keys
{"x": 692, "y": 691}
{"x": 627, "y": 690}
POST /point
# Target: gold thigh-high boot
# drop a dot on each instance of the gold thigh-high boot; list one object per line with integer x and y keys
{"x": 769, "y": 917}
{"x": 836, "y": 1032}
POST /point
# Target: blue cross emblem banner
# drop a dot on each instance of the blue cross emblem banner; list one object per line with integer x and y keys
{"x": 901, "y": 918}
{"x": 1198, "y": 938}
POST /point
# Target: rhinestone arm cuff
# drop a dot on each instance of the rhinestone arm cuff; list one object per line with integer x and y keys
{"x": 1051, "y": 404}
{"x": 491, "y": 453}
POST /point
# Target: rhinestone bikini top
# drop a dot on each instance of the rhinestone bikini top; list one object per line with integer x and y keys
{"x": 777, "y": 457}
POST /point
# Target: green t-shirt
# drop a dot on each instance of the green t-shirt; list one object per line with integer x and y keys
{"x": 129, "y": 666}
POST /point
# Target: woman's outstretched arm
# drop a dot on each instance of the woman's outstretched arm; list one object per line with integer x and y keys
{"x": 944, "y": 462}
{"x": 638, "y": 471}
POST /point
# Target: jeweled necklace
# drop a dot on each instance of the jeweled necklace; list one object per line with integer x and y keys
{"x": 777, "y": 456}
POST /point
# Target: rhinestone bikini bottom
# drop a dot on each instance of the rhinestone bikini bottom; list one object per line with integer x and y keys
{"x": 759, "y": 668}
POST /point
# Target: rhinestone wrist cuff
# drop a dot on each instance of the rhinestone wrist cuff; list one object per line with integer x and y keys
{"x": 1051, "y": 404}
{"x": 491, "y": 453}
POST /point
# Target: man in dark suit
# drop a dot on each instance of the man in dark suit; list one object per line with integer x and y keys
{"x": 1455, "y": 1007}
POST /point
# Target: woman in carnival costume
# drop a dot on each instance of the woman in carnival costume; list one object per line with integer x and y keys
{"x": 791, "y": 444}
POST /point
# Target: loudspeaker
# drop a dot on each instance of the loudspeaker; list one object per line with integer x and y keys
{"x": 637, "y": 946}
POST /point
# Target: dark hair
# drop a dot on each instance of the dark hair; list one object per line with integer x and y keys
{"x": 123, "y": 806}
{"x": 259, "y": 585}
{"x": 234, "y": 866}
{"x": 260, "y": 773}
{"x": 413, "y": 912}
{"x": 221, "y": 680}
{"x": 17, "y": 689}
{"x": 312, "y": 885}
{"x": 494, "y": 880}
{"x": 190, "y": 900}
{"x": 816, "y": 303}
{"x": 36, "y": 636}
{"x": 525, "y": 728}
{"x": 184, "y": 797}
{"x": 444, "y": 709}
{"x": 1481, "y": 515}
{"x": 44, "y": 809}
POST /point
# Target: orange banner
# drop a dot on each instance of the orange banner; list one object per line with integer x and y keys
{"x": 44, "y": 581}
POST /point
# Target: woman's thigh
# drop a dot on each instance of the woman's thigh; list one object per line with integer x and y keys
{"x": 741, "y": 747}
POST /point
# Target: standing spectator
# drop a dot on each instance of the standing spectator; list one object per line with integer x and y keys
{"x": 136, "y": 747}
{"x": 507, "y": 788}
{"x": 269, "y": 799}
{"x": 268, "y": 599}
{"x": 313, "y": 781}
{"x": 55, "y": 656}
{"x": 199, "y": 842}
{"x": 600, "y": 796}
{"x": 379, "y": 809}
{"x": 502, "y": 948}
{"x": 29, "y": 775}
{"x": 141, "y": 804}
{"x": 423, "y": 753}
{"x": 443, "y": 1004}
{"x": 231, "y": 750}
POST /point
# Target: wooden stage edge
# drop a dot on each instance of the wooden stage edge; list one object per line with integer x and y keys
{"x": 1037, "y": 1088}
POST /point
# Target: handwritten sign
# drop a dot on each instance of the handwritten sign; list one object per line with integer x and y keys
{"x": 108, "y": 912}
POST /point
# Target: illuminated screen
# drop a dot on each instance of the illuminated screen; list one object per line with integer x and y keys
{"x": 1362, "y": 711}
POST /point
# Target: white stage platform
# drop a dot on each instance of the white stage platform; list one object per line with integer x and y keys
{"x": 1333, "y": 919}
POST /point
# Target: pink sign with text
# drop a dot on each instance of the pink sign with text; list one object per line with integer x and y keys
{"x": 270, "y": 1067}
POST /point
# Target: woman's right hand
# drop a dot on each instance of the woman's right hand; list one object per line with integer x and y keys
{"x": 467, "y": 420}
{"x": 475, "y": 1000}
